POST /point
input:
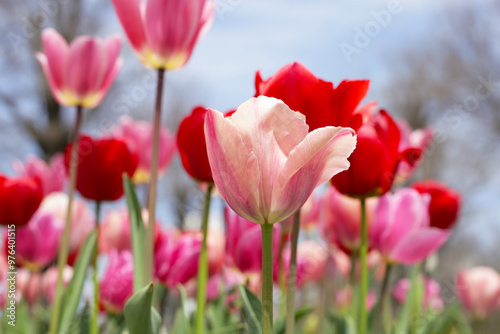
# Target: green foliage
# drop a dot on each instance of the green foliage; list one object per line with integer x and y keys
{"x": 140, "y": 316}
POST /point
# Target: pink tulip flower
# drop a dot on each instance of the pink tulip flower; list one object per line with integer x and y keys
{"x": 52, "y": 176}
{"x": 341, "y": 221}
{"x": 374, "y": 262}
{"x": 479, "y": 290}
{"x": 49, "y": 282}
{"x": 81, "y": 73}
{"x": 28, "y": 286}
{"x": 432, "y": 297}
{"x": 244, "y": 243}
{"x": 177, "y": 255}
{"x": 419, "y": 139}
{"x": 343, "y": 298}
{"x": 163, "y": 33}
{"x": 138, "y": 135}
{"x": 310, "y": 213}
{"x": 117, "y": 285}
{"x": 114, "y": 231}
{"x": 264, "y": 161}
{"x": 311, "y": 262}
{"x": 82, "y": 218}
{"x": 37, "y": 242}
{"x": 400, "y": 230}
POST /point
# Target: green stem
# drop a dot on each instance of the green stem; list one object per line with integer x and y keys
{"x": 281, "y": 275}
{"x": 292, "y": 276}
{"x": 64, "y": 248}
{"x": 363, "y": 316}
{"x": 267, "y": 278}
{"x": 203, "y": 267}
{"x": 352, "y": 274}
{"x": 94, "y": 327}
{"x": 386, "y": 313}
{"x": 150, "y": 234}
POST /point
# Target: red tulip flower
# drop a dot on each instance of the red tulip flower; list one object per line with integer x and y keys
{"x": 192, "y": 145}
{"x": 375, "y": 160}
{"x": 322, "y": 105}
{"x": 101, "y": 164}
{"x": 445, "y": 203}
{"x": 20, "y": 197}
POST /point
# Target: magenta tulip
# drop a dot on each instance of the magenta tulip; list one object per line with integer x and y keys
{"x": 177, "y": 255}
{"x": 310, "y": 213}
{"x": 139, "y": 136}
{"x": 117, "y": 285}
{"x": 432, "y": 298}
{"x": 163, "y": 33}
{"x": 264, "y": 153}
{"x": 52, "y": 175}
{"x": 37, "y": 242}
{"x": 81, "y": 73}
{"x": 244, "y": 243}
{"x": 479, "y": 290}
{"x": 400, "y": 230}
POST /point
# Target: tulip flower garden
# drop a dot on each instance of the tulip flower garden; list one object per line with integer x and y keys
{"x": 326, "y": 227}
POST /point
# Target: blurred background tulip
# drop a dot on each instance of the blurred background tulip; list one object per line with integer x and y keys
{"x": 37, "y": 243}
{"x": 20, "y": 197}
{"x": 52, "y": 175}
{"x": 445, "y": 203}
{"x": 81, "y": 73}
{"x": 117, "y": 284}
{"x": 478, "y": 289}
{"x": 432, "y": 295}
{"x": 101, "y": 165}
{"x": 82, "y": 219}
{"x": 341, "y": 219}
{"x": 139, "y": 137}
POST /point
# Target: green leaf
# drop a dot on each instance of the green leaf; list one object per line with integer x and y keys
{"x": 253, "y": 310}
{"x": 137, "y": 232}
{"x": 140, "y": 316}
{"x": 182, "y": 325}
{"x": 73, "y": 292}
{"x": 343, "y": 324}
{"x": 300, "y": 313}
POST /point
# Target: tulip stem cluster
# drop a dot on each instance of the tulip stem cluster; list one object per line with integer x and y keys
{"x": 203, "y": 267}
{"x": 64, "y": 249}
{"x": 267, "y": 278}
{"x": 363, "y": 317}
{"x": 290, "y": 295}
{"x": 95, "y": 311}
{"x": 153, "y": 181}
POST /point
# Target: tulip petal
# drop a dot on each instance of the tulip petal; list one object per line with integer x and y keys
{"x": 56, "y": 92}
{"x": 321, "y": 155}
{"x": 235, "y": 169}
{"x": 346, "y": 98}
{"x": 56, "y": 50}
{"x": 85, "y": 71}
{"x": 130, "y": 15}
{"x": 418, "y": 245}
